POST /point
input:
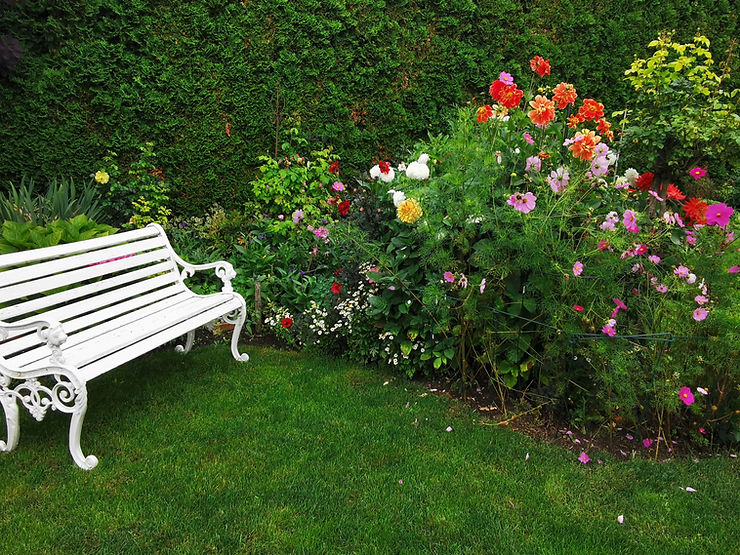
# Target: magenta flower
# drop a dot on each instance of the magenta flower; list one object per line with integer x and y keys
{"x": 682, "y": 271}
{"x": 603, "y": 244}
{"x": 524, "y": 202}
{"x": 528, "y": 138}
{"x": 584, "y": 458}
{"x": 647, "y": 443}
{"x": 449, "y": 277}
{"x": 661, "y": 288}
{"x": 322, "y": 233}
{"x": 577, "y": 308}
{"x": 577, "y": 268}
{"x": 338, "y": 186}
{"x": 719, "y": 214}
{"x": 686, "y": 396}
{"x": 700, "y": 314}
{"x": 734, "y": 270}
{"x": 641, "y": 249}
{"x": 697, "y": 173}
{"x": 609, "y": 330}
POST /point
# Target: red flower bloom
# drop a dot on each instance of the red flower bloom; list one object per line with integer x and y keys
{"x": 286, "y": 322}
{"x": 606, "y": 129}
{"x": 564, "y": 94}
{"x": 674, "y": 193}
{"x": 484, "y": 113}
{"x": 695, "y": 210}
{"x": 337, "y": 272}
{"x": 336, "y": 288}
{"x": 574, "y": 121}
{"x": 645, "y": 181}
{"x": 591, "y": 110}
{"x": 540, "y": 65}
{"x": 334, "y": 168}
{"x": 343, "y": 208}
{"x": 506, "y": 95}
{"x": 384, "y": 167}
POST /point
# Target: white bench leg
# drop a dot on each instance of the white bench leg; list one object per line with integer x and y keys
{"x": 10, "y": 407}
{"x": 238, "y": 324}
{"x": 188, "y": 343}
{"x": 75, "y": 429}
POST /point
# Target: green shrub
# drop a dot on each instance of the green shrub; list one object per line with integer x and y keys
{"x": 21, "y": 236}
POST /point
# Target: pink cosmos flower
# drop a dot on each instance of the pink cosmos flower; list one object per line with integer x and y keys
{"x": 734, "y": 270}
{"x": 322, "y": 233}
{"x": 682, "y": 271}
{"x": 641, "y": 249}
{"x": 610, "y": 221}
{"x": 702, "y": 391}
{"x": 697, "y": 173}
{"x": 577, "y": 308}
{"x": 338, "y": 186}
{"x": 558, "y": 180}
{"x": 700, "y": 314}
{"x": 577, "y": 268}
{"x": 703, "y": 431}
{"x": 654, "y": 259}
{"x": 449, "y": 277}
{"x": 506, "y": 78}
{"x": 603, "y": 245}
{"x": 609, "y": 330}
{"x": 661, "y": 288}
{"x": 482, "y": 286}
{"x": 658, "y": 198}
{"x": 599, "y": 166}
{"x": 686, "y": 396}
{"x": 584, "y": 458}
{"x": 701, "y": 299}
{"x": 629, "y": 220}
{"x": 463, "y": 282}
{"x": 528, "y": 138}
{"x": 719, "y": 214}
{"x": 647, "y": 443}
{"x": 533, "y": 163}
{"x": 524, "y": 202}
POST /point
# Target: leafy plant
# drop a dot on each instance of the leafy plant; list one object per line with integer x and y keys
{"x": 21, "y": 236}
{"x": 61, "y": 201}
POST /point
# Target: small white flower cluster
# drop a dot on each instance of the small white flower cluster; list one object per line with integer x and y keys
{"x": 393, "y": 357}
{"x": 315, "y": 317}
{"x": 276, "y": 318}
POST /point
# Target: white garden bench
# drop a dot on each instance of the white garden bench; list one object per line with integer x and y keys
{"x": 72, "y": 312}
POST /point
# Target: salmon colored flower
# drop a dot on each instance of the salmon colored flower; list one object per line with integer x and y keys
{"x": 605, "y": 128}
{"x": 591, "y": 110}
{"x": 574, "y": 121}
{"x": 540, "y": 65}
{"x": 564, "y": 94}
{"x": 585, "y": 144}
{"x": 484, "y": 113}
{"x": 543, "y": 110}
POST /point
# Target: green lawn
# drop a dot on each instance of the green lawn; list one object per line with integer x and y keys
{"x": 298, "y": 453}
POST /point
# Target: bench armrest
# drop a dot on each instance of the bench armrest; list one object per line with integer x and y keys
{"x": 49, "y": 331}
{"x": 224, "y": 271}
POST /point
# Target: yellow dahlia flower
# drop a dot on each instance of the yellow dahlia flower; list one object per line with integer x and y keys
{"x": 102, "y": 177}
{"x": 409, "y": 211}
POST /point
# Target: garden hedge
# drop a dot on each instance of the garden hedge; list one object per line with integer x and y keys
{"x": 200, "y": 79}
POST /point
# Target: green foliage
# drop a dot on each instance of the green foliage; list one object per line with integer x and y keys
{"x": 201, "y": 79}
{"x": 21, "y": 236}
{"x": 60, "y": 202}
{"x": 684, "y": 115}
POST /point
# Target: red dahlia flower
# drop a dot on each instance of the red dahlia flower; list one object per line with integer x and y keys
{"x": 343, "y": 208}
{"x": 484, "y": 113}
{"x": 286, "y": 322}
{"x": 674, "y": 193}
{"x": 645, "y": 181}
{"x": 334, "y": 168}
{"x": 540, "y": 65}
{"x": 564, "y": 94}
{"x": 384, "y": 167}
{"x": 695, "y": 210}
{"x": 591, "y": 110}
{"x": 336, "y": 288}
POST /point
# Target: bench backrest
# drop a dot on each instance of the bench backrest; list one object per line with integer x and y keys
{"x": 108, "y": 275}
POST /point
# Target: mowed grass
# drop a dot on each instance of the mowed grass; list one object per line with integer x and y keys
{"x": 299, "y": 453}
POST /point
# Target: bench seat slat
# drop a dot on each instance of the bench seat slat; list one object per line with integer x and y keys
{"x": 130, "y": 352}
{"x": 49, "y": 253}
{"x": 76, "y": 276}
{"x": 152, "y": 312}
{"x": 88, "y": 318}
{"x": 42, "y": 269}
{"x": 28, "y": 307}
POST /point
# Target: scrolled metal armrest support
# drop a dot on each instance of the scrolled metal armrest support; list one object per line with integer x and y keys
{"x": 49, "y": 331}
{"x": 224, "y": 271}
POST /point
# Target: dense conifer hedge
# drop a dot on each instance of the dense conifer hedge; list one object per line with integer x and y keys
{"x": 200, "y": 79}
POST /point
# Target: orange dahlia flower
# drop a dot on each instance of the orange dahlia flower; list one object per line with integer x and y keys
{"x": 564, "y": 94}
{"x": 543, "y": 111}
{"x": 574, "y": 121}
{"x": 540, "y": 65}
{"x": 584, "y": 145}
{"x": 511, "y": 96}
{"x": 591, "y": 110}
{"x": 484, "y": 113}
{"x": 605, "y": 128}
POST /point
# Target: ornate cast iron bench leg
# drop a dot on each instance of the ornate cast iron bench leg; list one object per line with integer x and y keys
{"x": 238, "y": 321}
{"x": 10, "y": 407}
